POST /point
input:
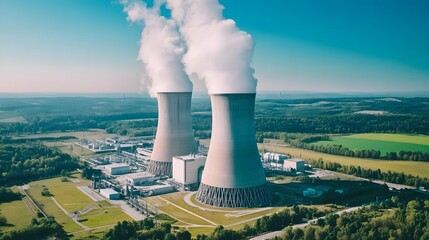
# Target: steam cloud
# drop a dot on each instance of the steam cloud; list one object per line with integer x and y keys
{"x": 161, "y": 49}
{"x": 218, "y": 52}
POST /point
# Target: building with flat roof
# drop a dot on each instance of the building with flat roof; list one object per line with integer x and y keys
{"x": 117, "y": 168}
{"x": 187, "y": 170}
{"x": 110, "y": 194}
{"x": 294, "y": 164}
{"x": 139, "y": 178}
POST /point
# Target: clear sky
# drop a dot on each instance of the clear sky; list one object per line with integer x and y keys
{"x": 300, "y": 45}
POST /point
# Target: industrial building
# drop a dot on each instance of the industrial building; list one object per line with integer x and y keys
{"x": 139, "y": 178}
{"x": 294, "y": 164}
{"x": 156, "y": 189}
{"x": 187, "y": 170}
{"x": 110, "y": 194}
{"x": 233, "y": 175}
{"x": 274, "y": 157}
{"x": 117, "y": 169}
{"x": 174, "y": 136}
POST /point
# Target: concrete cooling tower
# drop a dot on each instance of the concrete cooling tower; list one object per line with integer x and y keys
{"x": 174, "y": 136}
{"x": 233, "y": 175}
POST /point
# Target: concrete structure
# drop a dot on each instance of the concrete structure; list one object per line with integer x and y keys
{"x": 294, "y": 164}
{"x": 156, "y": 189}
{"x": 117, "y": 168}
{"x": 139, "y": 178}
{"x": 110, "y": 194}
{"x": 233, "y": 175}
{"x": 274, "y": 157}
{"x": 174, "y": 136}
{"x": 187, "y": 170}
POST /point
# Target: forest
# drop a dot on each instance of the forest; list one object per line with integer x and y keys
{"x": 31, "y": 161}
{"x": 407, "y": 220}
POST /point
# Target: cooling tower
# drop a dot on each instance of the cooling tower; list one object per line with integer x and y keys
{"x": 233, "y": 175}
{"x": 174, "y": 136}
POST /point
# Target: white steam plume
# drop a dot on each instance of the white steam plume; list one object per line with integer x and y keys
{"x": 161, "y": 49}
{"x": 218, "y": 51}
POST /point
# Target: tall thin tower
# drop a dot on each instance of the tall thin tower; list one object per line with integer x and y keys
{"x": 174, "y": 135}
{"x": 233, "y": 175}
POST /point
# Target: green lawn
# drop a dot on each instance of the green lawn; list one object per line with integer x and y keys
{"x": 104, "y": 216}
{"x": 408, "y": 167}
{"x": 16, "y": 221}
{"x": 383, "y": 142}
{"x": 49, "y": 206}
{"x": 99, "y": 214}
{"x": 220, "y": 216}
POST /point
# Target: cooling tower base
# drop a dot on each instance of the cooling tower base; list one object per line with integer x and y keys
{"x": 234, "y": 197}
{"x": 159, "y": 168}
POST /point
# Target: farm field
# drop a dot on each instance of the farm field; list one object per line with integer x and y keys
{"x": 408, "y": 167}
{"x": 383, "y": 142}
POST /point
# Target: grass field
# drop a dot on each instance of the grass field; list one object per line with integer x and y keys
{"x": 383, "y": 142}
{"x": 408, "y": 167}
{"x": 199, "y": 218}
{"x": 95, "y": 215}
{"x": 17, "y": 214}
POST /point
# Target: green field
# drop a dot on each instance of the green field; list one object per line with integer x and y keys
{"x": 408, "y": 167}
{"x": 94, "y": 215}
{"x": 199, "y": 218}
{"x": 383, "y": 142}
{"x": 17, "y": 214}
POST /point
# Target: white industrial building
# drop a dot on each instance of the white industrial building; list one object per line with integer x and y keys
{"x": 140, "y": 178}
{"x": 274, "y": 157}
{"x": 294, "y": 164}
{"x": 117, "y": 168}
{"x": 110, "y": 194}
{"x": 156, "y": 189}
{"x": 187, "y": 170}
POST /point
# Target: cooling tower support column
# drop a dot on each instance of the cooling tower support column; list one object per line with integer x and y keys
{"x": 174, "y": 136}
{"x": 233, "y": 175}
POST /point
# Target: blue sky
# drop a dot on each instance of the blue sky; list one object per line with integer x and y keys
{"x": 302, "y": 45}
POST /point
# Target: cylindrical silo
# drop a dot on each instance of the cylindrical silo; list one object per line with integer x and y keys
{"x": 233, "y": 175}
{"x": 174, "y": 135}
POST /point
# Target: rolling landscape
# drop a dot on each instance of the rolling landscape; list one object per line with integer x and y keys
{"x": 214, "y": 120}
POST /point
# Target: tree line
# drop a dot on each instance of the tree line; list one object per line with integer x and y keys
{"x": 407, "y": 220}
{"x": 30, "y": 161}
{"x": 392, "y": 177}
{"x": 7, "y": 195}
{"x": 344, "y": 123}
{"x": 359, "y": 153}
{"x": 38, "y": 229}
{"x": 147, "y": 229}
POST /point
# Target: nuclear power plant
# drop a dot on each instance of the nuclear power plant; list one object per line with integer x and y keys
{"x": 233, "y": 175}
{"x": 174, "y": 136}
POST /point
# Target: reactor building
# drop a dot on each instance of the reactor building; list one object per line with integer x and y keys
{"x": 174, "y": 136}
{"x": 233, "y": 175}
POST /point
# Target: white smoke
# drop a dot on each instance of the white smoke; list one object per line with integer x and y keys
{"x": 218, "y": 51}
{"x": 161, "y": 49}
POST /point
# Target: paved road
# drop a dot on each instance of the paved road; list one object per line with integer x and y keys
{"x": 90, "y": 193}
{"x": 133, "y": 213}
{"x": 302, "y": 225}
{"x": 72, "y": 216}
{"x": 183, "y": 209}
